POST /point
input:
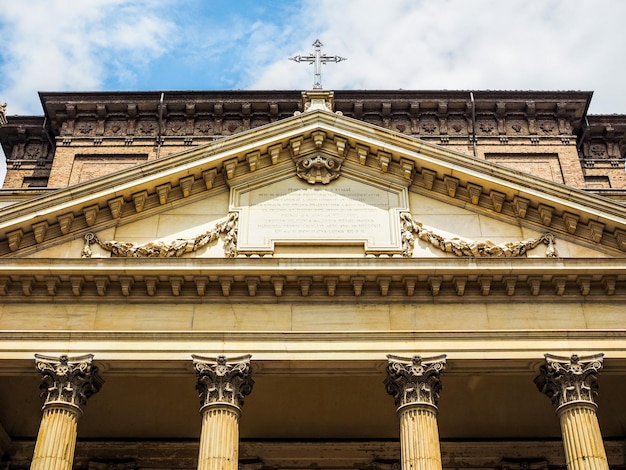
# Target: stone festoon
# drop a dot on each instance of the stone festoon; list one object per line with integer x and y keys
{"x": 571, "y": 384}
{"x": 415, "y": 384}
{"x": 222, "y": 385}
{"x": 67, "y": 384}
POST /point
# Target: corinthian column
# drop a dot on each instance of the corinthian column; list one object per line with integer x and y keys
{"x": 571, "y": 384}
{"x": 67, "y": 384}
{"x": 222, "y": 385}
{"x": 415, "y": 385}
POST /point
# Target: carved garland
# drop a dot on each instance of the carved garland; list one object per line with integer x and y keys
{"x": 226, "y": 229}
{"x": 412, "y": 229}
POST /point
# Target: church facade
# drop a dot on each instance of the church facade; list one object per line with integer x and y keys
{"x": 334, "y": 280}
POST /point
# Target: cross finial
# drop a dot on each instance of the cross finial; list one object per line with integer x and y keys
{"x": 317, "y": 59}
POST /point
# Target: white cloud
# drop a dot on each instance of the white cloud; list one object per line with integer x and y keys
{"x": 460, "y": 44}
{"x": 66, "y": 45}
{"x": 56, "y": 45}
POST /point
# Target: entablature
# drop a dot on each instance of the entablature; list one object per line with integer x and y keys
{"x": 273, "y": 280}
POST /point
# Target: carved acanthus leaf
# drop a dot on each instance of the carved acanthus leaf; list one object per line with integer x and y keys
{"x": 412, "y": 229}
{"x": 223, "y": 381}
{"x": 414, "y": 380}
{"x": 570, "y": 379}
{"x": 68, "y": 380}
{"x": 226, "y": 229}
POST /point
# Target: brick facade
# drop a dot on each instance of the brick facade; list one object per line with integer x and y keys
{"x": 88, "y": 135}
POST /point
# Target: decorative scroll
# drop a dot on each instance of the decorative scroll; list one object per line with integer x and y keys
{"x": 570, "y": 379}
{"x": 226, "y": 229}
{"x": 222, "y": 380}
{"x": 412, "y": 229}
{"x": 414, "y": 380}
{"x": 69, "y": 380}
{"x": 318, "y": 168}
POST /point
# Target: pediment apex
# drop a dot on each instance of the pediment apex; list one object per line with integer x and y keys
{"x": 367, "y": 152}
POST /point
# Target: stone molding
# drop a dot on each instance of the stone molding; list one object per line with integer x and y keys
{"x": 568, "y": 380}
{"x": 222, "y": 381}
{"x": 308, "y": 280}
{"x": 68, "y": 380}
{"x": 414, "y": 381}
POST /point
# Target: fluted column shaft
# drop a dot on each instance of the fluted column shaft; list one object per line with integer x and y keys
{"x": 219, "y": 440}
{"x": 571, "y": 384}
{"x": 415, "y": 385}
{"x": 419, "y": 438}
{"x": 67, "y": 383}
{"x": 56, "y": 439}
{"x": 222, "y": 385}
{"x": 582, "y": 440}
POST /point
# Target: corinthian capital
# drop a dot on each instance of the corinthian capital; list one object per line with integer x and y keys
{"x": 414, "y": 380}
{"x": 68, "y": 380}
{"x": 570, "y": 379}
{"x": 223, "y": 381}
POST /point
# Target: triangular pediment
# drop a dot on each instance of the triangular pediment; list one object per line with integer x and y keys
{"x": 318, "y": 179}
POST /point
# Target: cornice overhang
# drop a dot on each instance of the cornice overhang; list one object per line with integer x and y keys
{"x": 435, "y": 171}
{"x": 271, "y": 280}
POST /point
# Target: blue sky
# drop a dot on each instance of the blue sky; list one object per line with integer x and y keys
{"x": 91, "y": 45}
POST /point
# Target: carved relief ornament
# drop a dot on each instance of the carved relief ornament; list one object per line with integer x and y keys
{"x": 416, "y": 380}
{"x": 227, "y": 230}
{"x": 318, "y": 168}
{"x": 223, "y": 381}
{"x": 568, "y": 380}
{"x": 412, "y": 229}
{"x": 68, "y": 380}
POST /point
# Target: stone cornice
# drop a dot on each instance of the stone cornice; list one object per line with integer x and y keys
{"x": 311, "y": 281}
{"x": 434, "y": 171}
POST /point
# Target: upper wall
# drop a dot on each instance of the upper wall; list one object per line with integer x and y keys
{"x": 87, "y": 135}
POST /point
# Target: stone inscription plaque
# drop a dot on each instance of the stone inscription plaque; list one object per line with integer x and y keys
{"x": 345, "y": 211}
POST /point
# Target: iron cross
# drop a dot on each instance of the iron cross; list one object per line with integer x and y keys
{"x": 317, "y": 59}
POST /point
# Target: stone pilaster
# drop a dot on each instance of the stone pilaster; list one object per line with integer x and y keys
{"x": 67, "y": 384}
{"x": 415, "y": 384}
{"x": 222, "y": 385}
{"x": 571, "y": 384}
